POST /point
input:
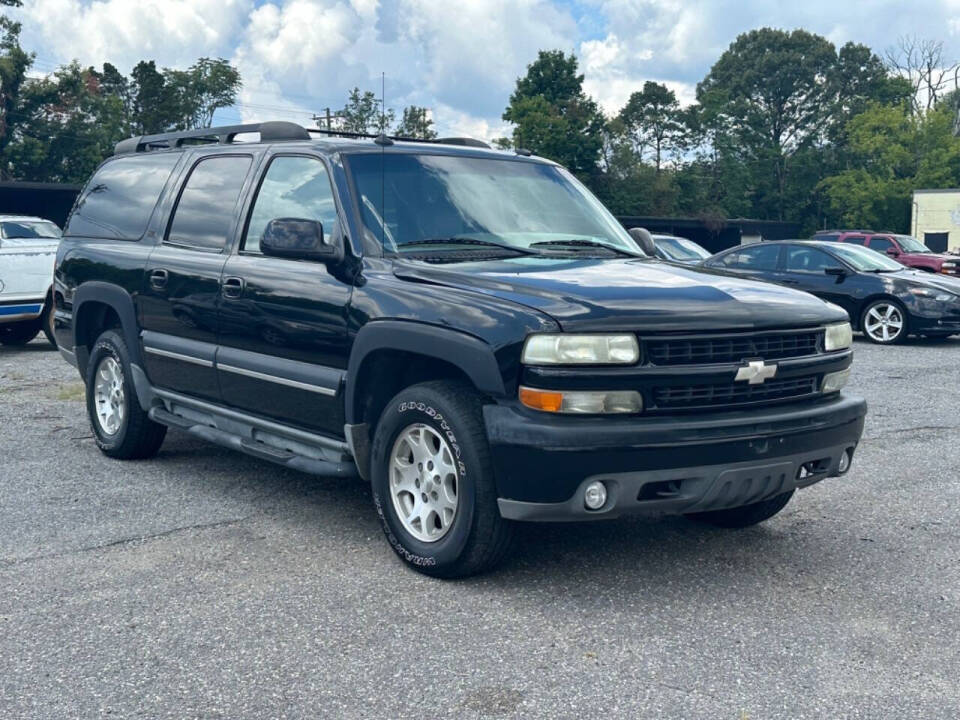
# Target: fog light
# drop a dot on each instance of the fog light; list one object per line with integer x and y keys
{"x": 834, "y": 382}
{"x": 595, "y": 496}
{"x": 845, "y": 460}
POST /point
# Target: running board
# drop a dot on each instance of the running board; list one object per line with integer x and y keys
{"x": 292, "y": 448}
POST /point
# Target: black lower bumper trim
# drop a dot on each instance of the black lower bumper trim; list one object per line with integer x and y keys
{"x": 540, "y": 459}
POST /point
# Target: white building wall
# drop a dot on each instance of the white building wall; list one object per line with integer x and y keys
{"x": 937, "y": 211}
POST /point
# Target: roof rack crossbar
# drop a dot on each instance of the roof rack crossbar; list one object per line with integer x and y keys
{"x": 269, "y": 132}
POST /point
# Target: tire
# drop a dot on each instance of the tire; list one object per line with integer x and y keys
{"x": 134, "y": 436}
{"x": 875, "y": 313}
{"x": 446, "y": 416}
{"x": 19, "y": 333}
{"x": 746, "y": 515}
{"x": 46, "y": 321}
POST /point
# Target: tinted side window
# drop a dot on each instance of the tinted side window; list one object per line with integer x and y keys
{"x": 756, "y": 257}
{"x": 828, "y": 238}
{"x": 205, "y": 211}
{"x": 811, "y": 260}
{"x": 856, "y": 239}
{"x": 293, "y": 187}
{"x": 120, "y": 197}
{"x": 881, "y": 244}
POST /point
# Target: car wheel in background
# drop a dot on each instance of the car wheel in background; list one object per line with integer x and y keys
{"x": 884, "y": 322}
{"x": 120, "y": 426}
{"x": 432, "y": 482}
{"x": 19, "y": 333}
{"x": 745, "y": 516}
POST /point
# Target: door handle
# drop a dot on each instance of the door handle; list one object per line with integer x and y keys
{"x": 158, "y": 279}
{"x": 232, "y": 287}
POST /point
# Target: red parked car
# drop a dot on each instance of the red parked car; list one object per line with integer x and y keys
{"x": 907, "y": 250}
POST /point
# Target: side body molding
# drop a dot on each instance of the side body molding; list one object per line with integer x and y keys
{"x": 121, "y": 302}
{"x": 473, "y": 356}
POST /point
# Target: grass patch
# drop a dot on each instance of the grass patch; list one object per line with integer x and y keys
{"x": 73, "y": 391}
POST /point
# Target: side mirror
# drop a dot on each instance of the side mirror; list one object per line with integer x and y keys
{"x": 644, "y": 240}
{"x": 297, "y": 239}
{"x": 893, "y": 252}
{"x": 837, "y": 272}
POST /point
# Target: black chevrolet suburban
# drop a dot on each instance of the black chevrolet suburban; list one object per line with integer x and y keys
{"x": 469, "y": 330}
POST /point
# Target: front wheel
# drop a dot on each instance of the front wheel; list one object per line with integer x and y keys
{"x": 884, "y": 322}
{"x": 46, "y": 321}
{"x": 746, "y": 515}
{"x": 432, "y": 482}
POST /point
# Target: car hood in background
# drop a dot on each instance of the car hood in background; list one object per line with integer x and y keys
{"x": 595, "y": 294}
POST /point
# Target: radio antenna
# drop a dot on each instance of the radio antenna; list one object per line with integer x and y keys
{"x": 382, "y": 139}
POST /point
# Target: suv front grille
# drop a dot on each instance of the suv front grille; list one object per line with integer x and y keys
{"x": 731, "y": 348}
{"x": 679, "y": 397}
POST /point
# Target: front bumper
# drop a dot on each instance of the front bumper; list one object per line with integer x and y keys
{"x": 676, "y": 464}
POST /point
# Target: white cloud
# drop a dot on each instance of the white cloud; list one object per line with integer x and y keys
{"x": 173, "y": 32}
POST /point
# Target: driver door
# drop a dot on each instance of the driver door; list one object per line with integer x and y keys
{"x": 805, "y": 268}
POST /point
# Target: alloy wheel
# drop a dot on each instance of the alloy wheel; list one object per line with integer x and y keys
{"x": 883, "y": 322}
{"x": 109, "y": 396}
{"x": 424, "y": 482}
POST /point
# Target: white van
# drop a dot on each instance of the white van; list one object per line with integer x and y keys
{"x": 28, "y": 249}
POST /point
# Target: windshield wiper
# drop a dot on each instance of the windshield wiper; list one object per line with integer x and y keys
{"x": 455, "y": 240}
{"x": 578, "y": 244}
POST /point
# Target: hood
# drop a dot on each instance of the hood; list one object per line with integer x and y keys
{"x": 949, "y": 283}
{"x": 931, "y": 257}
{"x": 634, "y": 294}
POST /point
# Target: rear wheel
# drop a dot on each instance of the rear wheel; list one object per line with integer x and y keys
{"x": 884, "y": 322}
{"x": 746, "y": 515}
{"x": 19, "y": 333}
{"x": 120, "y": 426}
{"x": 432, "y": 482}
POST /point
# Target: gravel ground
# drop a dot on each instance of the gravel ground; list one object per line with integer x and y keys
{"x": 207, "y": 584}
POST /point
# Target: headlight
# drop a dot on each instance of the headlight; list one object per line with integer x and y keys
{"x": 838, "y": 337}
{"x": 591, "y": 402}
{"x": 931, "y": 294}
{"x": 561, "y": 349}
{"x": 834, "y": 382}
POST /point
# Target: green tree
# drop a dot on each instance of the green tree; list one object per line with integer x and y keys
{"x": 363, "y": 114}
{"x": 553, "y": 117}
{"x": 769, "y": 87}
{"x": 196, "y": 93}
{"x": 652, "y": 120}
{"x": 416, "y": 123}
{"x": 14, "y": 63}
{"x": 894, "y": 152}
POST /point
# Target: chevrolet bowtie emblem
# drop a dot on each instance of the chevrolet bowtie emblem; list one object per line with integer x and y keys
{"x": 755, "y": 372}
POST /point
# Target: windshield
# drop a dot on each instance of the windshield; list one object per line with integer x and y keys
{"x": 407, "y": 199}
{"x": 29, "y": 229}
{"x": 910, "y": 244}
{"x": 677, "y": 248}
{"x": 864, "y": 259}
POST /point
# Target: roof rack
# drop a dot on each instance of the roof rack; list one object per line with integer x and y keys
{"x": 269, "y": 132}
{"x": 272, "y": 131}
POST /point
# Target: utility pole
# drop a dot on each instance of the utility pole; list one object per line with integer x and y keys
{"x": 325, "y": 121}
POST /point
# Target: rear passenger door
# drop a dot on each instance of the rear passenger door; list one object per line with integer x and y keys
{"x": 757, "y": 262}
{"x": 283, "y": 342}
{"x": 182, "y": 283}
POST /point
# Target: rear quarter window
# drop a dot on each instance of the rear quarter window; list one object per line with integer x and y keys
{"x": 120, "y": 197}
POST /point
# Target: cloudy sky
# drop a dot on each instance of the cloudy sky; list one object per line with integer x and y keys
{"x": 459, "y": 57}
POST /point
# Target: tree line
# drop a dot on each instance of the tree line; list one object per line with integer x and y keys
{"x": 785, "y": 127}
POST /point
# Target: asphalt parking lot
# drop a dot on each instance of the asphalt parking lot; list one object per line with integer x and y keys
{"x": 208, "y": 584}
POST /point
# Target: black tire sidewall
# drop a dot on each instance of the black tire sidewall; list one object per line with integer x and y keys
{"x": 904, "y": 332}
{"x": 19, "y": 333}
{"x": 46, "y": 320}
{"x": 109, "y": 344}
{"x": 423, "y": 405}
